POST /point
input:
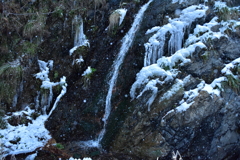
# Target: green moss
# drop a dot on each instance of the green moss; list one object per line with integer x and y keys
{"x": 29, "y": 48}
{"x": 9, "y": 80}
{"x": 233, "y": 82}
{"x": 226, "y": 13}
{"x": 165, "y": 67}
{"x": 82, "y": 50}
{"x": 205, "y": 56}
{"x": 55, "y": 75}
{"x": 58, "y": 13}
{"x": 59, "y": 146}
{"x": 4, "y": 67}
{"x": 34, "y": 115}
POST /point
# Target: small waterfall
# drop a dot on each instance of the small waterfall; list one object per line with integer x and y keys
{"x": 126, "y": 43}
{"x": 80, "y": 38}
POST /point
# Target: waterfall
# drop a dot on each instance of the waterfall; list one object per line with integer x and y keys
{"x": 126, "y": 43}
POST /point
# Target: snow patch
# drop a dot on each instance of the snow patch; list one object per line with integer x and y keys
{"x": 27, "y": 138}
{"x": 87, "y": 71}
{"x": 227, "y": 69}
{"x": 31, "y": 157}
{"x": 171, "y": 92}
{"x": 180, "y": 57}
{"x": 149, "y": 78}
{"x": 122, "y": 12}
{"x": 215, "y": 86}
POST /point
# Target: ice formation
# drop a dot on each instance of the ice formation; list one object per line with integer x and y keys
{"x": 80, "y": 38}
{"x": 152, "y": 74}
{"x": 176, "y": 28}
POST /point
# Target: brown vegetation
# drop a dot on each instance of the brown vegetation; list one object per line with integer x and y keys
{"x": 114, "y": 20}
{"x": 99, "y": 3}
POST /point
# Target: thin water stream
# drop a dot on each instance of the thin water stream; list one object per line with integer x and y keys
{"x": 126, "y": 43}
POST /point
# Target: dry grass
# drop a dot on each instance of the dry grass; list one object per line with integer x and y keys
{"x": 99, "y": 3}
{"x": 34, "y": 26}
{"x": 114, "y": 20}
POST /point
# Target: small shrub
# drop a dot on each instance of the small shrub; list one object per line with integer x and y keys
{"x": 233, "y": 82}
{"x": 35, "y": 26}
{"x": 59, "y": 146}
{"x": 114, "y": 21}
{"x": 225, "y": 13}
{"x": 99, "y": 3}
{"x": 87, "y": 75}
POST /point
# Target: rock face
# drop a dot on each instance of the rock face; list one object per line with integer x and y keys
{"x": 195, "y": 112}
{"x": 200, "y": 132}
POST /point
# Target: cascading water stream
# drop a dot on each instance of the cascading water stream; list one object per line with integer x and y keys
{"x": 126, "y": 43}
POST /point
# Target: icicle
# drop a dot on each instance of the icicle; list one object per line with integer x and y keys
{"x": 47, "y": 84}
{"x": 80, "y": 38}
{"x": 154, "y": 48}
{"x": 64, "y": 90}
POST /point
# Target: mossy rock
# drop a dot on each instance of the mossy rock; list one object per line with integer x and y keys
{"x": 10, "y": 78}
{"x": 82, "y": 50}
{"x": 3, "y": 123}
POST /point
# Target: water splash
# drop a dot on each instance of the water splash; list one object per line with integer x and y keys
{"x": 126, "y": 43}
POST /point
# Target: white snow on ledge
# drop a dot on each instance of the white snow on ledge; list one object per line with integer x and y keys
{"x": 179, "y": 1}
{"x": 181, "y": 56}
{"x": 227, "y": 69}
{"x": 188, "y": 99}
{"x": 122, "y": 12}
{"x": 148, "y": 79}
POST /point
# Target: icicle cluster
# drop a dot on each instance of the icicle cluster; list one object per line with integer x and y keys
{"x": 47, "y": 84}
{"x": 176, "y": 28}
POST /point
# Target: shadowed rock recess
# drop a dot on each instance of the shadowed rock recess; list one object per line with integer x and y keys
{"x": 163, "y": 77}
